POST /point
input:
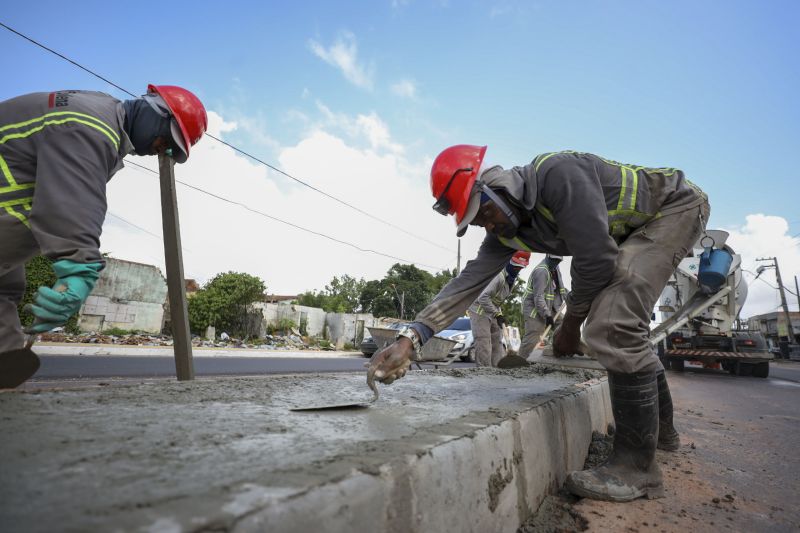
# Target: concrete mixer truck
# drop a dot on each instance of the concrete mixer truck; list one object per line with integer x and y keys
{"x": 699, "y": 308}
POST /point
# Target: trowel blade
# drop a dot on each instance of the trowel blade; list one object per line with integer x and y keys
{"x": 334, "y": 407}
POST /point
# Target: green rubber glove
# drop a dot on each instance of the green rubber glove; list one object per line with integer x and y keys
{"x": 53, "y": 307}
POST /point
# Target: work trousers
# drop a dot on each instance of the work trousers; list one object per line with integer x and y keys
{"x": 17, "y": 246}
{"x": 488, "y": 339}
{"x": 618, "y": 326}
{"x": 534, "y": 327}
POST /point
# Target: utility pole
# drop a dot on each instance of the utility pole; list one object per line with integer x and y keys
{"x": 797, "y": 293}
{"x": 759, "y": 270}
{"x": 458, "y": 261}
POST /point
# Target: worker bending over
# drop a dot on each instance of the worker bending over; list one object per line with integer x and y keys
{"x": 57, "y": 151}
{"x": 486, "y": 314}
{"x": 626, "y": 228}
{"x": 543, "y": 297}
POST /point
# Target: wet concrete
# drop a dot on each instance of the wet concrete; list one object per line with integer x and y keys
{"x": 202, "y": 455}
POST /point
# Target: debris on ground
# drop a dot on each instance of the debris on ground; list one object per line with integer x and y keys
{"x": 556, "y": 515}
{"x": 269, "y": 342}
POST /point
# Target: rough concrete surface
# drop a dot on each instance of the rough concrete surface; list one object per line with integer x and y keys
{"x": 440, "y": 451}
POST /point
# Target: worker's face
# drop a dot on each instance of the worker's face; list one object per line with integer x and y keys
{"x": 494, "y": 221}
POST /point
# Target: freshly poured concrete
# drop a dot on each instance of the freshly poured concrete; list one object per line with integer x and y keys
{"x": 227, "y": 454}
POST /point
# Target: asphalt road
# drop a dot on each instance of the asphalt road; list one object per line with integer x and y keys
{"x": 56, "y": 367}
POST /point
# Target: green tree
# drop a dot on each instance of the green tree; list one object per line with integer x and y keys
{"x": 440, "y": 279}
{"x": 341, "y": 295}
{"x": 39, "y": 273}
{"x": 402, "y": 293}
{"x": 225, "y": 302}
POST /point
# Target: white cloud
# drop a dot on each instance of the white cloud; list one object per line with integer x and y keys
{"x": 766, "y": 236}
{"x": 370, "y": 128}
{"x": 366, "y": 168}
{"x": 405, "y": 89}
{"x": 343, "y": 54}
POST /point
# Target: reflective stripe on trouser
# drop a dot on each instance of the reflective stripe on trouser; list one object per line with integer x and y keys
{"x": 618, "y": 325}
{"x": 18, "y": 247}
{"x": 534, "y": 326}
{"x": 488, "y": 339}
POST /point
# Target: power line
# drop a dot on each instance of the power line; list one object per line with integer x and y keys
{"x": 271, "y": 217}
{"x": 229, "y": 145}
{"x": 128, "y": 222}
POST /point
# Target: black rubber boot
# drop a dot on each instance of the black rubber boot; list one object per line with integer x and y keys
{"x": 16, "y": 366}
{"x": 631, "y": 470}
{"x": 668, "y": 438}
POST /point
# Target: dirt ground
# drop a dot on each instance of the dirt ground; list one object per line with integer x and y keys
{"x": 737, "y": 469}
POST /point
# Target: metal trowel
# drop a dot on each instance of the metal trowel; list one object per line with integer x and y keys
{"x": 16, "y": 366}
{"x": 344, "y": 406}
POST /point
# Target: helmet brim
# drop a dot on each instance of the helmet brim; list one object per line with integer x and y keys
{"x": 178, "y": 139}
{"x": 472, "y": 210}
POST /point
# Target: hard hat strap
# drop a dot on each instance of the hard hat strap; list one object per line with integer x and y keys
{"x": 501, "y": 204}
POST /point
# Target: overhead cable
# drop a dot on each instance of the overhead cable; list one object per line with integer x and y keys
{"x": 271, "y": 217}
{"x": 235, "y": 148}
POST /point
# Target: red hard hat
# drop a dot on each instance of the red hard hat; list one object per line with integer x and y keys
{"x": 453, "y": 174}
{"x": 188, "y": 111}
{"x": 521, "y": 259}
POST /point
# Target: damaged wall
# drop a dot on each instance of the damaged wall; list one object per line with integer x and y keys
{"x": 348, "y": 328}
{"x": 128, "y": 296}
{"x": 312, "y": 317}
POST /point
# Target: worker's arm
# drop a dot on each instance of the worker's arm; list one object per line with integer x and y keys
{"x": 392, "y": 362}
{"x": 487, "y": 300}
{"x": 69, "y": 203}
{"x": 453, "y": 300}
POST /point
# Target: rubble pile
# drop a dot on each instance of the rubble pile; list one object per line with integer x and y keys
{"x": 269, "y": 342}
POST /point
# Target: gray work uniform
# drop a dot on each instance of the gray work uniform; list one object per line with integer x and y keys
{"x": 57, "y": 151}
{"x": 544, "y": 294}
{"x": 626, "y": 228}
{"x": 483, "y": 319}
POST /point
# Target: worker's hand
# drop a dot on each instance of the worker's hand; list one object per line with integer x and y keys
{"x": 548, "y": 320}
{"x": 392, "y": 362}
{"x": 501, "y": 320}
{"x": 567, "y": 338}
{"x": 52, "y": 307}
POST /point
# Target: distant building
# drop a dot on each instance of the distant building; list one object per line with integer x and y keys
{"x": 129, "y": 296}
{"x": 773, "y": 325}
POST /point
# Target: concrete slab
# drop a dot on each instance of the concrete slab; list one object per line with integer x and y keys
{"x": 447, "y": 450}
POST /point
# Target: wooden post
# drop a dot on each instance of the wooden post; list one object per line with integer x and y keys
{"x": 179, "y": 314}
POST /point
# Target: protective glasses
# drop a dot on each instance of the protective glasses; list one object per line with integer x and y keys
{"x": 442, "y": 205}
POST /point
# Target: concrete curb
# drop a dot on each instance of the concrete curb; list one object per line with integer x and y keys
{"x": 490, "y": 480}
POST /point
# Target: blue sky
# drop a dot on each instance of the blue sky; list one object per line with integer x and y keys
{"x": 709, "y": 87}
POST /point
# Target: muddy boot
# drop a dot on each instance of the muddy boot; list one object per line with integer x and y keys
{"x": 668, "y": 439}
{"x": 631, "y": 470}
{"x": 16, "y": 366}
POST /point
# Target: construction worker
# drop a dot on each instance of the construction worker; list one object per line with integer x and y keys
{"x": 486, "y": 315}
{"x": 543, "y": 297}
{"x": 626, "y": 228}
{"x": 57, "y": 151}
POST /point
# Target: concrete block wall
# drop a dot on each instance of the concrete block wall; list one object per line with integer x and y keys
{"x": 490, "y": 481}
{"x": 128, "y": 296}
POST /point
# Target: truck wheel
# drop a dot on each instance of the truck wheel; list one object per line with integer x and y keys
{"x": 761, "y": 370}
{"x": 677, "y": 364}
{"x": 744, "y": 369}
